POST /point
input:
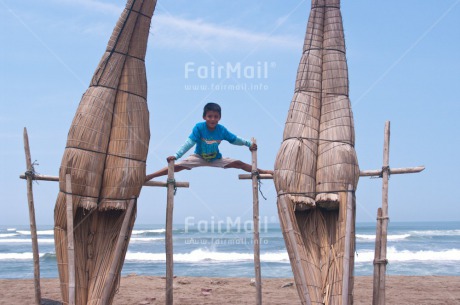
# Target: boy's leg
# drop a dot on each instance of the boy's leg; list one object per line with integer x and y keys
{"x": 246, "y": 167}
{"x": 164, "y": 171}
{"x": 239, "y": 164}
{"x": 188, "y": 163}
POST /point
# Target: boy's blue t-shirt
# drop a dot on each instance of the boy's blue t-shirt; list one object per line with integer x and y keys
{"x": 207, "y": 141}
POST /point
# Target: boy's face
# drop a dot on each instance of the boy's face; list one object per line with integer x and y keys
{"x": 212, "y": 118}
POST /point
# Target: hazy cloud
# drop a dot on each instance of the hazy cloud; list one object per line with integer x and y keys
{"x": 94, "y": 5}
{"x": 176, "y": 32}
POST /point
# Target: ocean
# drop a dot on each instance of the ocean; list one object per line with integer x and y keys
{"x": 414, "y": 248}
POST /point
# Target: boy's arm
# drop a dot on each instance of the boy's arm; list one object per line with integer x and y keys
{"x": 240, "y": 141}
{"x": 184, "y": 148}
{"x": 235, "y": 140}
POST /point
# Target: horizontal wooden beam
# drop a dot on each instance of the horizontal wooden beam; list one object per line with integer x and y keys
{"x": 365, "y": 173}
{"x": 147, "y": 183}
{"x": 393, "y": 171}
{"x": 249, "y": 176}
{"x": 41, "y": 177}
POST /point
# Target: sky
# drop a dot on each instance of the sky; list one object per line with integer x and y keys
{"x": 404, "y": 67}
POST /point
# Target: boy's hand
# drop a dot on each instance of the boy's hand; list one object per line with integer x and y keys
{"x": 253, "y": 147}
{"x": 170, "y": 158}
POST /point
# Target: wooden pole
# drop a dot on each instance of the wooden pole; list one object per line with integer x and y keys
{"x": 347, "y": 248}
{"x": 376, "y": 281}
{"x": 147, "y": 183}
{"x": 70, "y": 241}
{"x": 168, "y": 234}
{"x": 255, "y": 218}
{"x": 383, "y": 247}
{"x": 380, "y": 256}
{"x": 33, "y": 227}
{"x": 122, "y": 238}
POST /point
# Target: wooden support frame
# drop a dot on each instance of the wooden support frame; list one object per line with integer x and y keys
{"x": 70, "y": 244}
{"x": 33, "y": 227}
{"x": 168, "y": 235}
{"x": 255, "y": 176}
{"x": 364, "y": 173}
{"x": 375, "y": 282}
{"x": 255, "y": 218}
{"x": 380, "y": 255}
{"x": 380, "y": 258}
{"x": 30, "y": 176}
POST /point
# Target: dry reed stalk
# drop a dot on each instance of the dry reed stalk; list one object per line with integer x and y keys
{"x": 295, "y": 247}
{"x": 105, "y": 238}
{"x": 311, "y": 225}
{"x": 121, "y": 244}
{"x": 317, "y": 161}
{"x": 105, "y": 155}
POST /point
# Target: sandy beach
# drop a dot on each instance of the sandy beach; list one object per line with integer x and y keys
{"x": 145, "y": 290}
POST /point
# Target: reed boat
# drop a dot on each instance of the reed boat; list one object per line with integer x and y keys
{"x": 316, "y": 168}
{"x": 105, "y": 158}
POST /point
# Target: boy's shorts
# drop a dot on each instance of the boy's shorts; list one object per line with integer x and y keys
{"x": 195, "y": 160}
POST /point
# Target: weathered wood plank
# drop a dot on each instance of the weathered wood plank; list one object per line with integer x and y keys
{"x": 393, "y": 171}
{"x": 148, "y": 183}
{"x": 33, "y": 226}
{"x": 363, "y": 173}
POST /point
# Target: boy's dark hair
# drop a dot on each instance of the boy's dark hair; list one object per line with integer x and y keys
{"x": 211, "y": 107}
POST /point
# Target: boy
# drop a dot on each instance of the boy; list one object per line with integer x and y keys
{"x": 207, "y": 136}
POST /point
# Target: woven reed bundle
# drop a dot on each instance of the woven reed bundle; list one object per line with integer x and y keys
{"x": 317, "y": 161}
{"x": 337, "y": 165}
{"x": 295, "y": 174}
{"x": 105, "y": 155}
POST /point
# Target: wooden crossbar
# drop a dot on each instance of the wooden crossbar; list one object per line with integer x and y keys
{"x": 147, "y": 183}
{"x": 364, "y": 173}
